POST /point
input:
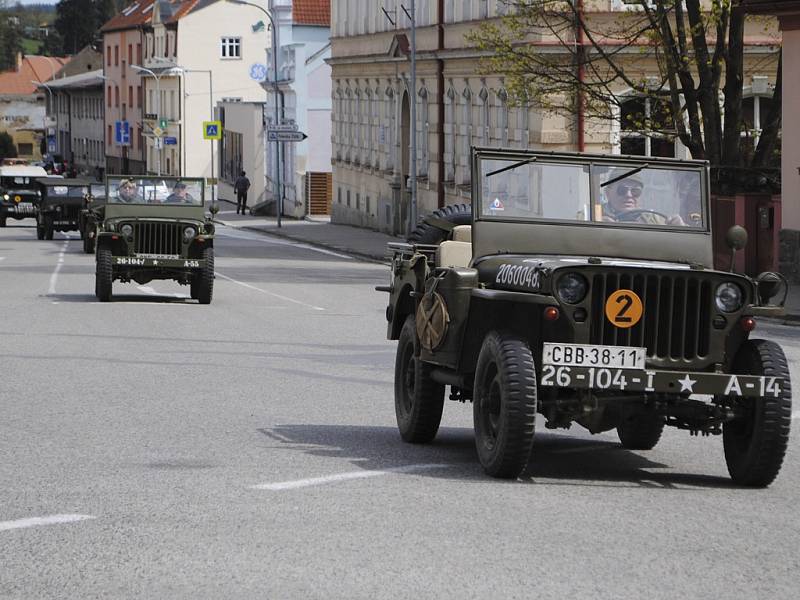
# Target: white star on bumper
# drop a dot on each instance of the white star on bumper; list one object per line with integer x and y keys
{"x": 687, "y": 384}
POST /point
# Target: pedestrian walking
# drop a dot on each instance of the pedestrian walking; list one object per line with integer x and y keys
{"x": 240, "y": 187}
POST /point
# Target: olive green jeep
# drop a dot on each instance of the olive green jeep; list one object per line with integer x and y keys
{"x": 154, "y": 228}
{"x": 59, "y": 206}
{"x": 582, "y": 287}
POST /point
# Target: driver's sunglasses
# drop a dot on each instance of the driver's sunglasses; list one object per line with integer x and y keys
{"x": 634, "y": 190}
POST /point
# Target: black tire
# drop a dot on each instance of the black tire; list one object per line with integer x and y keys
{"x": 39, "y": 229}
{"x": 2, "y": 221}
{"x": 88, "y": 244}
{"x": 640, "y": 431}
{"x": 504, "y": 405}
{"x": 205, "y": 278}
{"x": 426, "y": 233}
{"x": 48, "y": 228}
{"x": 104, "y": 275}
{"x": 193, "y": 287}
{"x": 756, "y": 444}
{"x": 418, "y": 400}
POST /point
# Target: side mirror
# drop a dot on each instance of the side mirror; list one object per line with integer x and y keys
{"x": 214, "y": 208}
{"x": 736, "y": 238}
{"x": 770, "y": 285}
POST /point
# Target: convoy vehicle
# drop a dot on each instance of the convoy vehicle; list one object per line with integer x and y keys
{"x": 141, "y": 235}
{"x": 18, "y": 191}
{"x": 59, "y": 206}
{"x": 584, "y": 290}
{"x": 91, "y": 214}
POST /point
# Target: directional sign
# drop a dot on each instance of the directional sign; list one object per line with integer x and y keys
{"x": 285, "y": 136}
{"x": 283, "y": 127}
{"x": 163, "y": 123}
{"x": 212, "y": 130}
{"x": 170, "y": 141}
{"x": 122, "y": 133}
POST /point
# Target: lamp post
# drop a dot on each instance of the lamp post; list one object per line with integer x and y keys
{"x": 279, "y": 193}
{"x": 52, "y": 105}
{"x": 158, "y": 105}
{"x": 177, "y": 69}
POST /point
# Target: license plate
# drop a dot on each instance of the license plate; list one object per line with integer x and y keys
{"x": 586, "y": 355}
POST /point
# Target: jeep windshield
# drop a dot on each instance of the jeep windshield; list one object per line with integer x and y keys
{"x": 154, "y": 190}
{"x": 64, "y": 191}
{"x": 623, "y": 193}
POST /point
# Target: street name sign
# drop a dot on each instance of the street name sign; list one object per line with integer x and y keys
{"x": 285, "y": 136}
{"x": 212, "y": 130}
{"x": 170, "y": 141}
{"x": 283, "y": 127}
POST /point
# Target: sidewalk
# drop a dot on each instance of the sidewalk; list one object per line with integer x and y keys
{"x": 368, "y": 244}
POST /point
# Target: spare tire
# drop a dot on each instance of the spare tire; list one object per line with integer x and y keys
{"x": 427, "y": 232}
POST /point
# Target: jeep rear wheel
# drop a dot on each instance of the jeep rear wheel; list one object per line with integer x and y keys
{"x": 640, "y": 431}
{"x": 418, "y": 400}
{"x": 205, "y": 278}
{"x": 39, "y": 228}
{"x": 2, "y": 221}
{"x": 104, "y": 275}
{"x": 755, "y": 443}
{"x": 504, "y": 405}
{"x": 88, "y": 244}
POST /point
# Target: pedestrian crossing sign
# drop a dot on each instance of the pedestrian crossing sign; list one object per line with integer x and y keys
{"x": 212, "y": 130}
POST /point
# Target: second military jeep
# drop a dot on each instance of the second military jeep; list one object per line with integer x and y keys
{"x": 583, "y": 289}
{"x": 59, "y": 205}
{"x": 154, "y": 228}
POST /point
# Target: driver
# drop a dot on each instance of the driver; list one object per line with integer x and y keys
{"x": 623, "y": 204}
{"x": 180, "y": 194}
{"x": 126, "y": 190}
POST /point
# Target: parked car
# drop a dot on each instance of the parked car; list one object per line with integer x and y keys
{"x": 60, "y": 204}
{"x": 142, "y": 236}
{"x": 583, "y": 289}
{"x": 19, "y": 195}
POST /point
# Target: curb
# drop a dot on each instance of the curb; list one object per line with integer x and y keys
{"x": 348, "y": 251}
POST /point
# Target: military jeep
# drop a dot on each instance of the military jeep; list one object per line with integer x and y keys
{"x": 155, "y": 228}
{"x": 59, "y": 205}
{"x": 19, "y": 195}
{"x": 583, "y": 289}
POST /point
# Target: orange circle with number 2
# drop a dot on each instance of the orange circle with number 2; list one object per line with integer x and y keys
{"x": 624, "y": 308}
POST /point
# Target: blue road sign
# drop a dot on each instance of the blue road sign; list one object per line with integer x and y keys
{"x": 170, "y": 141}
{"x": 122, "y": 133}
{"x": 258, "y": 72}
{"x": 212, "y": 130}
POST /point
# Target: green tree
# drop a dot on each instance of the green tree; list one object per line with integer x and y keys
{"x": 10, "y": 39}
{"x": 76, "y": 22}
{"x": 7, "y": 147}
{"x": 587, "y": 60}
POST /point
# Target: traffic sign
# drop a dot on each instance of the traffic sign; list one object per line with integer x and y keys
{"x": 285, "y": 136}
{"x": 163, "y": 123}
{"x": 212, "y": 130}
{"x": 158, "y": 143}
{"x": 158, "y": 132}
{"x": 170, "y": 141}
{"x": 283, "y": 127}
{"x": 122, "y": 133}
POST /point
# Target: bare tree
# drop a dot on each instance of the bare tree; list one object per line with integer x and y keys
{"x": 684, "y": 60}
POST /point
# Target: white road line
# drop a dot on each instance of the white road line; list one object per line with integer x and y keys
{"x": 282, "y": 242}
{"x": 301, "y": 483}
{"x": 274, "y": 295}
{"x": 54, "y": 277}
{"x": 796, "y": 415}
{"x": 37, "y": 521}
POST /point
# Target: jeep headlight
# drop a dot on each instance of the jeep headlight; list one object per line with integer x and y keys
{"x": 126, "y": 230}
{"x": 728, "y": 297}
{"x": 6, "y": 196}
{"x": 189, "y": 233}
{"x": 571, "y": 288}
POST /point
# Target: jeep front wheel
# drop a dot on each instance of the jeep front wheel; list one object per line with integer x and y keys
{"x": 103, "y": 275}
{"x": 39, "y": 228}
{"x": 756, "y": 442}
{"x": 418, "y": 400}
{"x": 504, "y": 405}
{"x": 205, "y": 278}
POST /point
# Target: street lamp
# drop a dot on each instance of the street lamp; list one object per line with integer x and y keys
{"x": 279, "y": 199}
{"x": 179, "y": 70}
{"x": 52, "y": 105}
{"x": 158, "y": 105}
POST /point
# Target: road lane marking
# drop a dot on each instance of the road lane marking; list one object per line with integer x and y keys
{"x": 54, "y": 277}
{"x": 281, "y": 242}
{"x": 273, "y": 294}
{"x": 301, "y": 483}
{"x": 37, "y": 521}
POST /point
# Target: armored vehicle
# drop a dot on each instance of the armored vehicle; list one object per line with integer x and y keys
{"x": 19, "y": 195}
{"x": 155, "y": 228}
{"x": 584, "y": 290}
{"x": 59, "y": 206}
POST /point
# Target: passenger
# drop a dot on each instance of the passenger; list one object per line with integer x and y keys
{"x": 127, "y": 191}
{"x": 180, "y": 194}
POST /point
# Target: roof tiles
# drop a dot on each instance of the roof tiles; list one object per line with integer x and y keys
{"x": 311, "y": 12}
{"x": 33, "y": 68}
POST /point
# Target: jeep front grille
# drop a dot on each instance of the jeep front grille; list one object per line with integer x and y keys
{"x": 71, "y": 212}
{"x": 157, "y": 238}
{"x": 676, "y": 322}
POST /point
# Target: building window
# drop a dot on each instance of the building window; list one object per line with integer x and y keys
{"x": 108, "y": 55}
{"x": 231, "y": 47}
{"x": 116, "y": 56}
{"x": 502, "y": 117}
{"x": 422, "y": 132}
{"x": 484, "y": 97}
{"x": 116, "y": 96}
{"x": 130, "y": 96}
{"x": 645, "y": 126}
{"x": 450, "y": 136}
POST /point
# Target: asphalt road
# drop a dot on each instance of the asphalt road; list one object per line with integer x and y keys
{"x": 156, "y": 448}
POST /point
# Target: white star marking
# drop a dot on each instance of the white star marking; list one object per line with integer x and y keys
{"x": 687, "y": 384}
{"x": 155, "y": 263}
